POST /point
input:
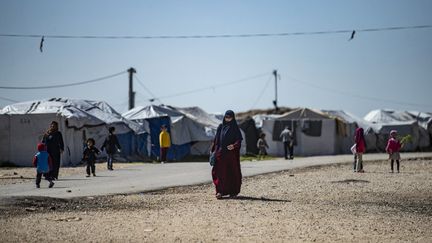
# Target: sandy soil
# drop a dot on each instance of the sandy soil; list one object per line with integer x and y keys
{"x": 316, "y": 204}
{"x": 16, "y": 175}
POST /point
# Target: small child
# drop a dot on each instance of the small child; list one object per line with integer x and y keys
{"x": 43, "y": 163}
{"x": 90, "y": 156}
{"x": 393, "y": 147}
{"x": 262, "y": 145}
{"x": 111, "y": 145}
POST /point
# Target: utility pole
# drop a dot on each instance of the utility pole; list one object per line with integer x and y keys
{"x": 131, "y": 92}
{"x": 276, "y": 98}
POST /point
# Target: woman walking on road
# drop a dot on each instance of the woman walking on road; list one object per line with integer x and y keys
{"x": 53, "y": 139}
{"x": 226, "y": 172}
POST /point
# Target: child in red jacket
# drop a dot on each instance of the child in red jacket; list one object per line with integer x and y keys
{"x": 393, "y": 148}
{"x": 43, "y": 163}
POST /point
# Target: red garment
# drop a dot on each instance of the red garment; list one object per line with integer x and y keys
{"x": 163, "y": 154}
{"x": 360, "y": 141}
{"x": 393, "y": 146}
{"x": 226, "y": 174}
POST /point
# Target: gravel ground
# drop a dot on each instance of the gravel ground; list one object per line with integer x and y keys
{"x": 322, "y": 204}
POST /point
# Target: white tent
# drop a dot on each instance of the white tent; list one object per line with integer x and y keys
{"x": 346, "y": 130}
{"x": 405, "y": 123}
{"x": 23, "y": 125}
{"x": 314, "y": 131}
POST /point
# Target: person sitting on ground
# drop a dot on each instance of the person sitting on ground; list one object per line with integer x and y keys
{"x": 43, "y": 163}
{"x": 262, "y": 145}
{"x": 393, "y": 147}
{"x": 90, "y": 153}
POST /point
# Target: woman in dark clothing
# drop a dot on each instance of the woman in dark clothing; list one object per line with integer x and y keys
{"x": 226, "y": 173}
{"x": 53, "y": 139}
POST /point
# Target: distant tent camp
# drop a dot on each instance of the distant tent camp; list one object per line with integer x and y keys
{"x": 406, "y": 123}
{"x": 22, "y": 126}
{"x": 192, "y": 129}
{"x": 314, "y": 132}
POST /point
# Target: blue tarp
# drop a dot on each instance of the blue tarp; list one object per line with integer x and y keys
{"x": 133, "y": 145}
{"x": 176, "y": 151}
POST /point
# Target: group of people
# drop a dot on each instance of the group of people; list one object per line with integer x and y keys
{"x": 226, "y": 172}
{"x": 287, "y": 138}
{"x": 225, "y": 153}
{"x": 393, "y": 148}
{"x": 47, "y": 159}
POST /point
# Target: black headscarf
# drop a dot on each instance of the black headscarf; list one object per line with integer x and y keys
{"x": 228, "y": 132}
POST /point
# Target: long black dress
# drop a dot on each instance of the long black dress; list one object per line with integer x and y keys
{"x": 54, "y": 143}
{"x": 226, "y": 173}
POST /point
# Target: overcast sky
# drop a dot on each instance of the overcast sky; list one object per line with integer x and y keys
{"x": 388, "y": 69}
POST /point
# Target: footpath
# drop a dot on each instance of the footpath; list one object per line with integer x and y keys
{"x": 150, "y": 177}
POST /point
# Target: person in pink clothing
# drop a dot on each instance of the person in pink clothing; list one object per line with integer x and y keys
{"x": 393, "y": 147}
{"x": 360, "y": 149}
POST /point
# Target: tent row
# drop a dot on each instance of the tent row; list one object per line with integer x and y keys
{"x": 331, "y": 132}
{"x": 192, "y": 130}
{"x": 22, "y": 126}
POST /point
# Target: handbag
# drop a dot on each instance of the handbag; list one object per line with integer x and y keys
{"x": 212, "y": 158}
{"x": 354, "y": 149}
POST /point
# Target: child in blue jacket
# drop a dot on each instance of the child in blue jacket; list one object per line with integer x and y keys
{"x": 43, "y": 163}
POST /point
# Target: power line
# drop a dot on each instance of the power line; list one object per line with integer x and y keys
{"x": 114, "y": 37}
{"x": 262, "y": 92}
{"x": 146, "y": 89}
{"x": 66, "y": 85}
{"x": 357, "y": 95}
{"x": 213, "y": 87}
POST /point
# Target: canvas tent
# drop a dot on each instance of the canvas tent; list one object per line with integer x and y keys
{"x": 192, "y": 130}
{"x": 23, "y": 125}
{"x": 383, "y": 121}
{"x": 314, "y": 132}
{"x": 348, "y": 123}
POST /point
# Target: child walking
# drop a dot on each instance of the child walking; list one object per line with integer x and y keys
{"x": 262, "y": 145}
{"x": 90, "y": 153}
{"x": 43, "y": 163}
{"x": 393, "y": 147}
{"x": 111, "y": 145}
{"x": 164, "y": 143}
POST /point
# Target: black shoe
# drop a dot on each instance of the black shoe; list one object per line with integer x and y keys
{"x": 37, "y": 186}
{"x": 94, "y": 174}
{"x": 51, "y": 184}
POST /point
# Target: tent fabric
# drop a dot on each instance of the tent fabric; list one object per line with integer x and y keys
{"x": 79, "y": 113}
{"x": 406, "y": 123}
{"x": 78, "y": 120}
{"x": 191, "y": 128}
{"x": 351, "y": 123}
{"x": 305, "y": 144}
{"x": 304, "y": 113}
